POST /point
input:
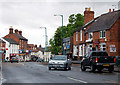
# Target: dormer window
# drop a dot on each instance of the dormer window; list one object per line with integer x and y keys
{"x": 102, "y": 34}
{"x": 90, "y": 35}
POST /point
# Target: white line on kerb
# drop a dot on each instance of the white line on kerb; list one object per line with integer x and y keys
{"x": 77, "y": 80}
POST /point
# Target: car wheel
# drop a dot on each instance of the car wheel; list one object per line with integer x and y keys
{"x": 111, "y": 69}
{"x": 83, "y": 67}
{"x": 11, "y": 62}
{"x": 49, "y": 68}
{"x": 65, "y": 68}
{"x": 99, "y": 69}
{"x": 92, "y": 68}
{"x": 69, "y": 68}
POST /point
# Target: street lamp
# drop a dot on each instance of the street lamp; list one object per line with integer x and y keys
{"x": 46, "y": 40}
{"x": 62, "y": 31}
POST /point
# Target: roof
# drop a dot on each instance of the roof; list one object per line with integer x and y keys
{"x": 84, "y": 26}
{"x": 41, "y": 49}
{"x": 11, "y": 41}
{"x": 31, "y": 45}
{"x": 104, "y": 22}
{"x": 1, "y": 41}
{"x": 20, "y": 36}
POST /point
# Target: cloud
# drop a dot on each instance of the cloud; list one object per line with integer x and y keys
{"x": 29, "y": 15}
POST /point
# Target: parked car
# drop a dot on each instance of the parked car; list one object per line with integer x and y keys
{"x": 34, "y": 58}
{"x": 98, "y": 60}
{"x": 39, "y": 60}
{"x": 14, "y": 59}
{"x": 60, "y": 61}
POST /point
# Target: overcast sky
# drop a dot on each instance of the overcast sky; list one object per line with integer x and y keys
{"x": 29, "y": 15}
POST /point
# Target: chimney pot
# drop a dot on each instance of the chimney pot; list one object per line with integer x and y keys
{"x": 11, "y": 30}
{"x": 109, "y": 10}
{"x": 16, "y": 30}
{"x": 89, "y": 9}
{"x": 39, "y": 46}
{"x": 20, "y": 32}
{"x": 86, "y": 9}
{"x": 36, "y": 46}
{"x": 113, "y": 10}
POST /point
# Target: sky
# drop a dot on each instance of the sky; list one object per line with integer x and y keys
{"x": 29, "y": 15}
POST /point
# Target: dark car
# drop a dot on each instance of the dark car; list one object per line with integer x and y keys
{"x": 60, "y": 61}
{"x": 39, "y": 60}
{"x": 98, "y": 60}
{"x": 14, "y": 59}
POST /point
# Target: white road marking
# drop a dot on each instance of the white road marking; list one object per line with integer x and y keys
{"x": 76, "y": 80}
{"x": 3, "y": 80}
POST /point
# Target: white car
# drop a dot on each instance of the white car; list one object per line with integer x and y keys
{"x": 60, "y": 61}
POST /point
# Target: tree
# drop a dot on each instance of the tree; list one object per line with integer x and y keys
{"x": 75, "y": 21}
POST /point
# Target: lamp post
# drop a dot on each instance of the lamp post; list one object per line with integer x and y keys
{"x": 46, "y": 39}
{"x": 62, "y": 32}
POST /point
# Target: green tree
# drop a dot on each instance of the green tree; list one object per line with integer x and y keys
{"x": 75, "y": 21}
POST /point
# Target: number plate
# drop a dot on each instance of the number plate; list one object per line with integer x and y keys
{"x": 106, "y": 65}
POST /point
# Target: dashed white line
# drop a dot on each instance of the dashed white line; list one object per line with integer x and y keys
{"x": 77, "y": 80}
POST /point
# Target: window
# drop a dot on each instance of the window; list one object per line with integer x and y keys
{"x": 80, "y": 50}
{"x": 103, "y": 47}
{"x": 76, "y": 36}
{"x": 89, "y": 48}
{"x": 102, "y": 34}
{"x": 75, "y": 51}
{"x": 80, "y": 35}
{"x": 90, "y": 35}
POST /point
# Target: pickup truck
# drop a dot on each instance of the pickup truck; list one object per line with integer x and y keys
{"x": 98, "y": 60}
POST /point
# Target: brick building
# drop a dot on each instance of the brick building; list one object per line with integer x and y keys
{"x": 2, "y": 48}
{"x": 100, "y": 33}
{"x": 68, "y": 46}
{"x": 22, "y": 41}
{"x": 32, "y": 51}
{"x": 11, "y": 49}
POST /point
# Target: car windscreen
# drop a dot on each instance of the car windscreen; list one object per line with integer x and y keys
{"x": 99, "y": 54}
{"x": 59, "y": 58}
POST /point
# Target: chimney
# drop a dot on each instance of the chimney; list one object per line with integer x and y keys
{"x": 36, "y": 46}
{"x": 113, "y": 10}
{"x": 109, "y": 10}
{"x": 88, "y": 15}
{"x": 16, "y": 31}
{"x": 39, "y": 46}
{"x": 11, "y": 30}
{"x": 20, "y": 32}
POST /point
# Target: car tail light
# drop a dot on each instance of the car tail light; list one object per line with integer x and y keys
{"x": 96, "y": 60}
{"x": 114, "y": 60}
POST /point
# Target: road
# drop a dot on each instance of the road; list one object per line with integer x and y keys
{"x": 30, "y": 72}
